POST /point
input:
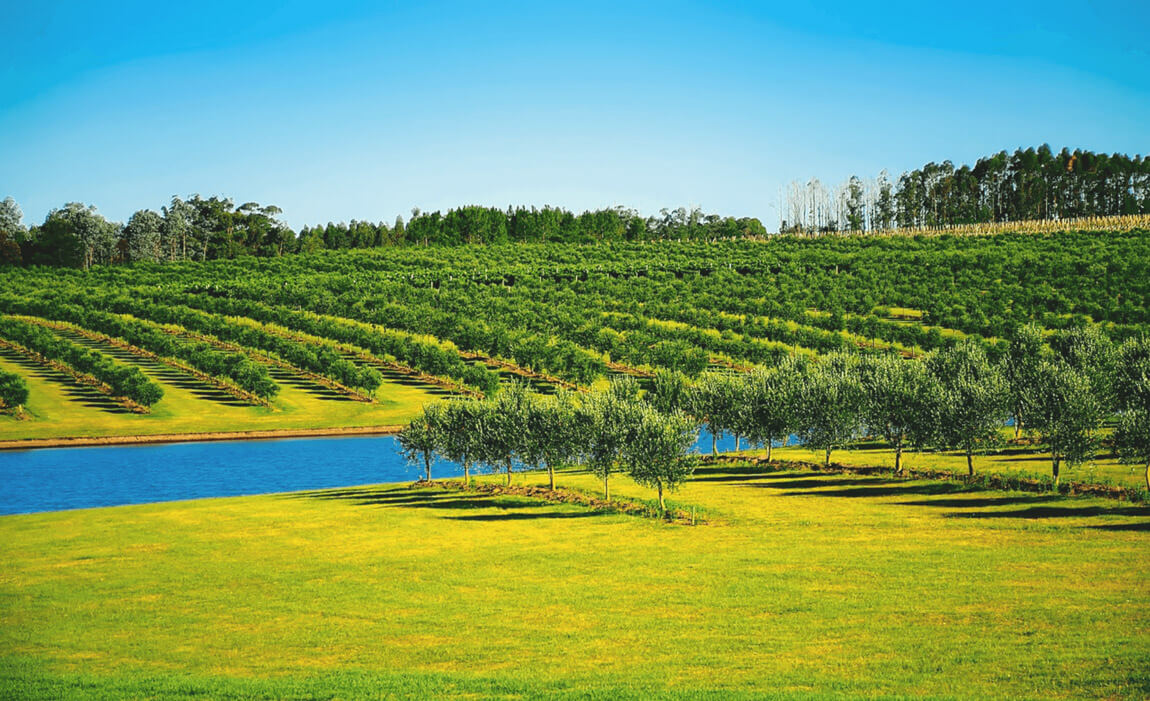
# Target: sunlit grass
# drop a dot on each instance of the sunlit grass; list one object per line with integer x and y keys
{"x": 804, "y": 585}
{"x": 52, "y": 413}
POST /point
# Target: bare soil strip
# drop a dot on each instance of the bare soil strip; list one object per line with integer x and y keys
{"x": 197, "y": 437}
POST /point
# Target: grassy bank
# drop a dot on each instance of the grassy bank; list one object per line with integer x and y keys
{"x": 802, "y": 585}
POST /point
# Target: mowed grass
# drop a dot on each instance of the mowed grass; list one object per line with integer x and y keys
{"x": 189, "y": 406}
{"x": 802, "y": 585}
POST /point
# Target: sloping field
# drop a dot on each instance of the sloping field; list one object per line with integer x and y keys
{"x": 799, "y": 585}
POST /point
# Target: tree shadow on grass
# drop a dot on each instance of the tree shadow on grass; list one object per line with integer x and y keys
{"x": 521, "y": 516}
{"x": 1143, "y": 527}
{"x": 1035, "y": 512}
{"x": 882, "y": 488}
{"x": 983, "y": 501}
{"x": 424, "y": 499}
{"x": 815, "y": 482}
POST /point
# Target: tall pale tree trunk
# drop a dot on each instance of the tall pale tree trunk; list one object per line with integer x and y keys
{"x": 467, "y": 473}
{"x": 714, "y": 443}
{"x": 736, "y": 443}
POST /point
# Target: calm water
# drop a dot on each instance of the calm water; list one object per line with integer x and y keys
{"x": 52, "y": 479}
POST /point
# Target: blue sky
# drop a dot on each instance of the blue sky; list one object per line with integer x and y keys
{"x": 335, "y": 111}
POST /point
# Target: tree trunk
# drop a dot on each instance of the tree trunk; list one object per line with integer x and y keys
{"x": 551, "y": 476}
{"x": 736, "y": 443}
{"x": 898, "y": 458}
{"x": 662, "y": 505}
{"x": 508, "y": 472}
{"x": 769, "y": 449}
{"x": 427, "y": 465}
{"x": 969, "y": 464}
{"x": 467, "y": 473}
{"x": 1017, "y": 427}
{"x": 827, "y": 460}
{"x": 1148, "y": 476}
{"x": 1055, "y": 465}
{"x": 606, "y": 487}
{"x": 714, "y": 444}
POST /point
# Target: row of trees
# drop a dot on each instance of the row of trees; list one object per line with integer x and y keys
{"x": 13, "y": 391}
{"x": 1031, "y": 184}
{"x": 607, "y": 431}
{"x": 124, "y": 380}
{"x": 232, "y": 368}
{"x": 957, "y": 399}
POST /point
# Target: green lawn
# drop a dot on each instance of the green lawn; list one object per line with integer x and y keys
{"x": 803, "y": 585}
{"x": 56, "y": 414}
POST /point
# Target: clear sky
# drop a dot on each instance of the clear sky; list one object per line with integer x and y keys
{"x": 335, "y": 110}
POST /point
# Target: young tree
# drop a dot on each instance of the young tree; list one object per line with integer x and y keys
{"x": 772, "y": 395}
{"x": 461, "y": 441}
{"x": 657, "y": 453}
{"x": 607, "y": 419}
{"x": 713, "y": 400}
{"x": 141, "y": 237}
{"x": 971, "y": 401}
{"x": 553, "y": 432}
{"x": 13, "y": 391}
{"x": 1132, "y": 395}
{"x": 506, "y": 428}
{"x": 1067, "y": 413}
{"x": 421, "y": 438}
{"x": 830, "y": 404}
{"x": 899, "y": 401}
{"x": 670, "y": 391}
{"x": 1024, "y": 353}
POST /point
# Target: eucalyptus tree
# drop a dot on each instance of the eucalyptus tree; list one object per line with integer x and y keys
{"x": 1132, "y": 395}
{"x": 421, "y": 439}
{"x": 464, "y": 422}
{"x": 971, "y": 399}
{"x": 1024, "y": 353}
{"x": 900, "y": 401}
{"x": 1067, "y": 412}
{"x": 772, "y": 397}
{"x": 607, "y": 420}
{"x": 656, "y": 453}
{"x": 13, "y": 233}
{"x": 141, "y": 238}
{"x": 830, "y": 404}
{"x": 77, "y": 236}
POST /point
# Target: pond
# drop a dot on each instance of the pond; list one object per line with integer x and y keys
{"x": 51, "y": 479}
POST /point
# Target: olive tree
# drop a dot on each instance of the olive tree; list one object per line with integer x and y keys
{"x": 1132, "y": 397}
{"x": 505, "y": 435}
{"x": 830, "y": 404}
{"x": 772, "y": 396}
{"x": 13, "y": 391}
{"x": 461, "y": 441}
{"x": 970, "y": 401}
{"x": 553, "y": 432}
{"x": 657, "y": 453}
{"x": 1067, "y": 412}
{"x": 1020, "y": 363}
{"x": 607, "y": 420}
{"x": 899, "y": 402}
{"x": 422, "y": 437}
{"x": 670, "y": 391}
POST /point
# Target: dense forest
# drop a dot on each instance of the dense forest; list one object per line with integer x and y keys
{"x": 1035, "y": 184}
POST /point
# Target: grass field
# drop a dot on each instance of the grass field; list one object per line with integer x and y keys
{"x": 189, "y": 406}
{"x": 802, "y": 585}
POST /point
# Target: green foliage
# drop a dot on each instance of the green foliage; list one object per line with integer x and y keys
{"x": 1067, "y": 412}
{"x": 830, "y": 404}
{"x": 13, "y": 391}
{"x": 901, "y": 402}
{"x": 971, "y": 401}
{"x": 656, "y": 450}
{"x": 422, "y": 437}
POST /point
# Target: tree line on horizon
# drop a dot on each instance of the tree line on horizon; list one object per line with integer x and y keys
{"x": 1035, "y": 184}
{"x": 1027, "y": 185}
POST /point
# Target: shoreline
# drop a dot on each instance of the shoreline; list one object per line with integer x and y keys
{"x": 264, "y": 434}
